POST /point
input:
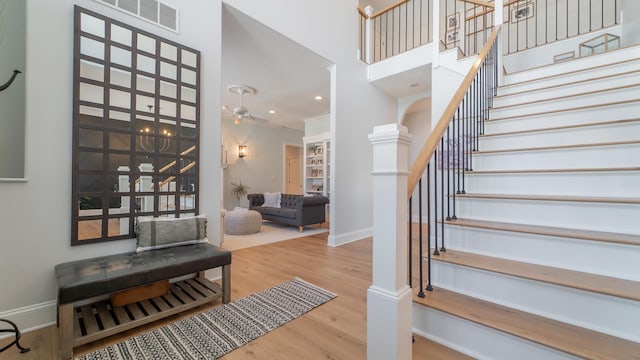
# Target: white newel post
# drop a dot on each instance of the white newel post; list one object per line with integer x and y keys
{"x": 389, "y": 298}
{"x": 368, "y": 52}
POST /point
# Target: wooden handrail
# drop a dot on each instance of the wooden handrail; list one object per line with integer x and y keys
{"x": 169, "y": 165}
{"x": 420, "y": 164}
{"x": 391, "y": 7}
{"x": 362, "y": 13}
{"x": 481, "y": 3}
{"x": 171, "y": 178}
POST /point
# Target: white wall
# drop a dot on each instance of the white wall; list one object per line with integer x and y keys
{"x": 631, "y": 22}
{"x": 317, "y": 125}
{"x": 330, "y": 29}
{"x": 419, "y": 125}
{"x": 543, "y": 55}
{"x": 262, "y": 170}
{"x": 12, "y": 56}
{"x": 35, "y": 217}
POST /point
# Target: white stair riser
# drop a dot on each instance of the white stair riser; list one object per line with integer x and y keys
{"x": 484, "y": 343}
{"x": 609, "y": 133}
{"x": 611, "y": 315}
{"x": 574, "y": 117}
{"x": 558, "y": 91}
{"x": 621, "y": 218}
{"x": 579, "y": 157}
{"x": 604, "y": 184}
{"x": 612, "y": 259}
{"x": 566, "y": 103}
{"x": 595, "y": 65}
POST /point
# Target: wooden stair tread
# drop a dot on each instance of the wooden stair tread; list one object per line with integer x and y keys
{"x": 592, "y": 199}
{"x": 544, "y": 88}
{"x": 559, "y": 147}
{"x": 576, "y": 126}
{"x": 606, "y": 285}
{"x": 585, "y": 107}
{"x": 564, "y": 97}
{"x": 564, "y": 337}
{"x": 535, "y": 171}
{"x": 619, "y": 238}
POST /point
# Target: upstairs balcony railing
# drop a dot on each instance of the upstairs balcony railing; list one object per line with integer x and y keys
{"x": 466, "y": 24}
{"x": 396, "y": 29}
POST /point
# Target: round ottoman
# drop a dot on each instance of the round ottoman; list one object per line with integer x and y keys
{"x": 242, "y": 222}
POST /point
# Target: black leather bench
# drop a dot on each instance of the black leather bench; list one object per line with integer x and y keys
{"x": 79, "y": 281}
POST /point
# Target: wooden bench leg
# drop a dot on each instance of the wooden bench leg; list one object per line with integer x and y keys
{"x": 226, "y": 284}
{"x": 65, "y": 331}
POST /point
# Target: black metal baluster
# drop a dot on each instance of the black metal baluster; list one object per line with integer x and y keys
{"x": 406, "y": 27}
{"x": 435, "y": 200}
{"x": 456, "y": 158}
{"x": 420, "y": 292}
{"x": 411, "y": 242}
{"x": 393, "y": 30}
{"x": 429, "y": 287}
{"x": 449, "y": 166}
{"x": 442, "y": 192}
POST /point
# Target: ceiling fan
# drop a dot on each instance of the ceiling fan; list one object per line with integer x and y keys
{"x": 241, "y": 113}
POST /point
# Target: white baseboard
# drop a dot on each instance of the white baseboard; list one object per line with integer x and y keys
{"x": 32, "y": 317}
{"x": 342, "y": 239}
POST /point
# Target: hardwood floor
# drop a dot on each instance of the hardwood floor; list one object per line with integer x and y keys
{"x": 335, "y": 330}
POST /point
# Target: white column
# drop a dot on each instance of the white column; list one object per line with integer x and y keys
{"x": 498, "y": 19}
{"x": 368, "y": 51}
{"x": 389, "y": 298}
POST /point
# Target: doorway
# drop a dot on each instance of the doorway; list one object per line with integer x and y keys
{"x": 293, "y": 169}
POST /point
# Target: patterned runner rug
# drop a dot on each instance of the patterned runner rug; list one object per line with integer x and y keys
{"x": 212, "y": 334}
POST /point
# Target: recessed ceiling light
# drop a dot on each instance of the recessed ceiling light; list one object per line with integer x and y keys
{"x": 272, "y": 111}
{"x": 318, "y": 97}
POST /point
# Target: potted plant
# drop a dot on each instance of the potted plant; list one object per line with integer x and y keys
{"x": 239, "y": 190}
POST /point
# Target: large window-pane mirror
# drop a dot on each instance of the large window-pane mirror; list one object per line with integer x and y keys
{"x": 135, "y": 140}
{"x": 12, "y": 95}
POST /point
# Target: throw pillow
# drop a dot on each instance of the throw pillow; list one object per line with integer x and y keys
{"x": 158, "y": 233}
{"x": 272, "y": 199}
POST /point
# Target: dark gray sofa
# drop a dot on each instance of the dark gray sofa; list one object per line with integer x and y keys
{"x": 294, "y": 210}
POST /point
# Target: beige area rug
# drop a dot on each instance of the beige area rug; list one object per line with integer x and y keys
{"x": 269, "y": 233}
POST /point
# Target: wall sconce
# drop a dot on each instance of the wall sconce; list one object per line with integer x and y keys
{"x": 243, "y": 150}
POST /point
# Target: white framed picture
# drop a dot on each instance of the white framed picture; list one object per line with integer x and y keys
{"x": 453, "y": 21}
{"x": 522, "y": 12}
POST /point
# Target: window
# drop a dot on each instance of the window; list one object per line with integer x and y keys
{"x": 135, "y": 128}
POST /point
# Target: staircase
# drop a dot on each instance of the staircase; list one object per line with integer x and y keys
{"x": 543, "y": 260}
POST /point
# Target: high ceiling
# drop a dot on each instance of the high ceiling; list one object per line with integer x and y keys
{"x": 287, "y": 76}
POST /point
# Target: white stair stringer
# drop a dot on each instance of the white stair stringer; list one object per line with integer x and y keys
{"x": 604, "y": 81}
{"x": 602, "y": 313}
{"x": 484, "y": 343}
{"x": 613, "y": 259}
{"x": 607, "y": 217}
{"x": 619, "y": 110}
